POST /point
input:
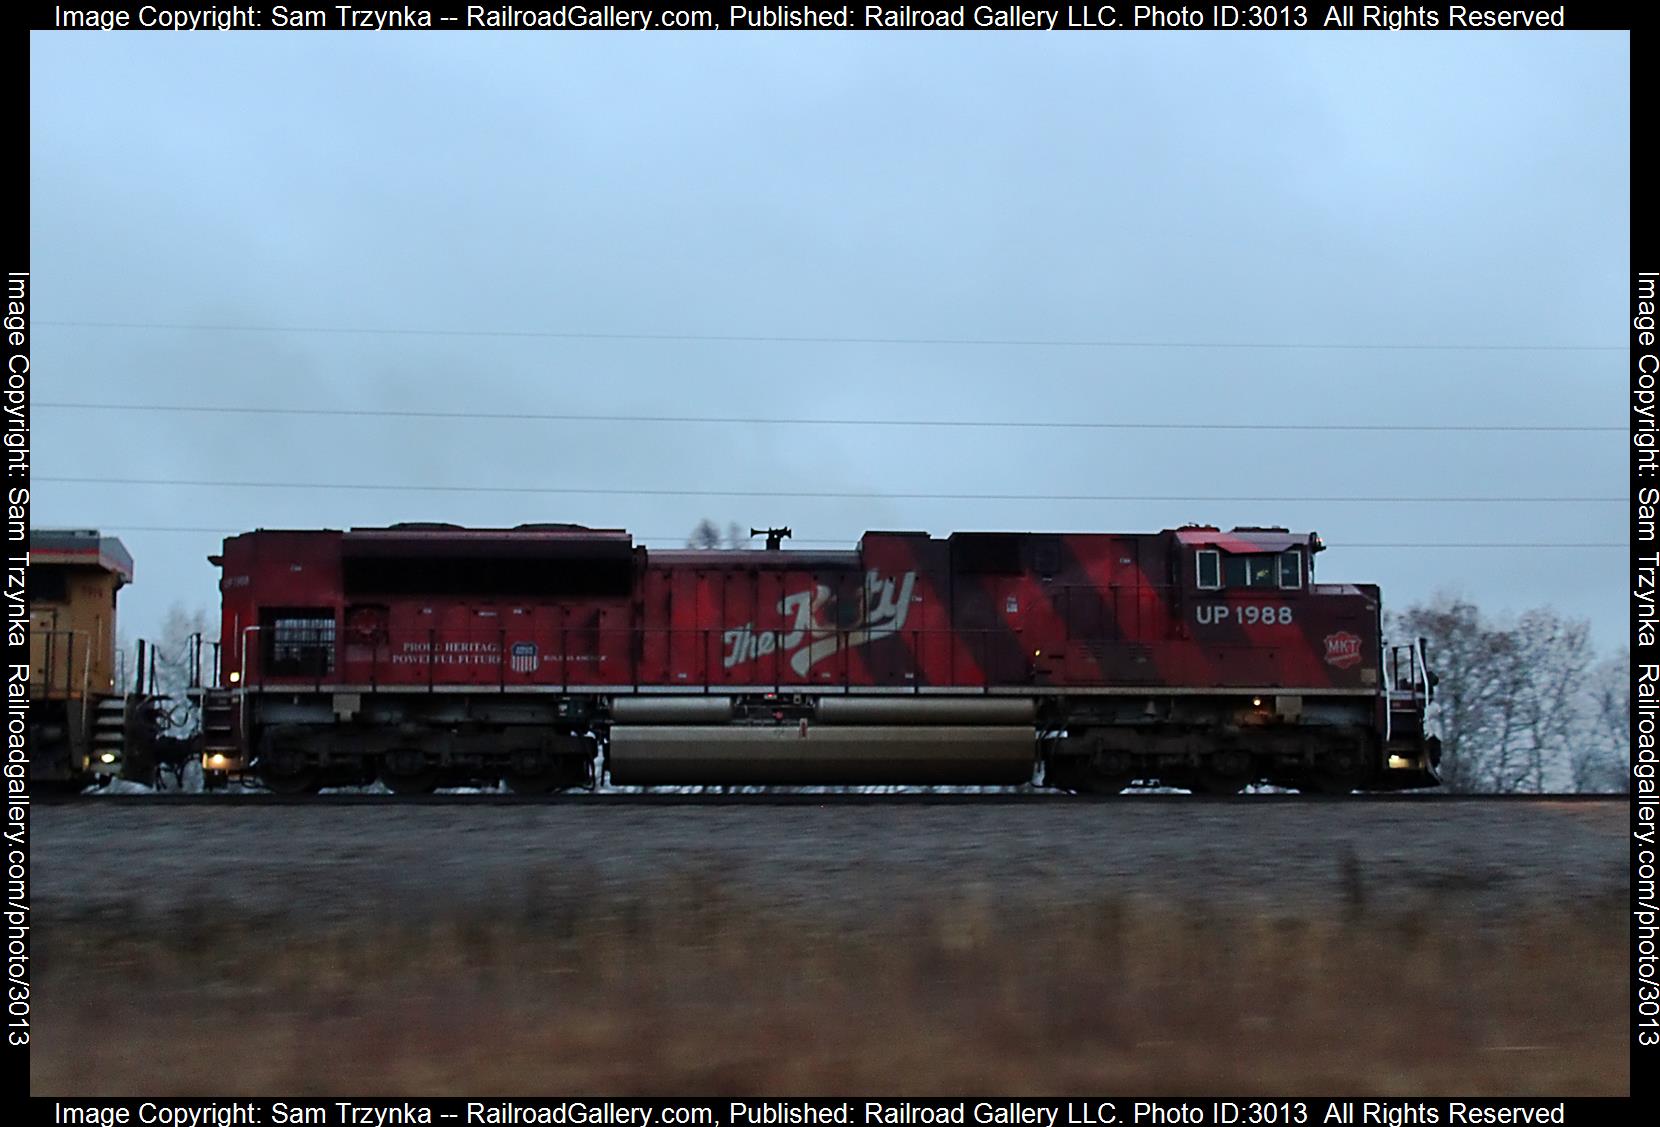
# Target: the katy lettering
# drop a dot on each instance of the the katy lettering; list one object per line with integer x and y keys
{"x": 812, "y": 633}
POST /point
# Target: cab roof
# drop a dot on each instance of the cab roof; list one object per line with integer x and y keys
{"x": 82, "y": 547}
{"x": 1240, "y": 541}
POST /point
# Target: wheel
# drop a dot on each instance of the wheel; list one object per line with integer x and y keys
{"x": 557, "y": 777}
{"x": 1063, "y": 774}
{"x": 300, "y": 782}
{"x": 424, "y": 782}
{"x": 1077, "y": 775}
{"x": 531, "y": 771}
{"x": 1109, "y": 772}
{"x": 1341, "y": 771}
{"x": 285, "y": 771}
{"x": 1226, "y": 772}
{"x": 407, "y": 771}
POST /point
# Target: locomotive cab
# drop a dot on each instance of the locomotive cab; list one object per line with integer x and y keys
{"x": 1252, "y": 589}
{"x": 1312, "y": 658}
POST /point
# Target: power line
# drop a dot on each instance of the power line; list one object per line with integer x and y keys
{"x": 803, "y": 495}
{"x": 641, "y": 538}
{"x": 1034, "y": 424}
{"x": 761, "y": 338}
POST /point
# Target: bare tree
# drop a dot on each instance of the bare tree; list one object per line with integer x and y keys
{"x": 1555, "y": 703}
{"x": 123, "y": 662}
{"x": 1460, "y": 654}
{"x": 174, "y": 656}
{"x": 1602, "y": 762}
{"x": 1515, "y": 703}
{"x": 1501, "y": 766}
{"x": 705, "y": 535}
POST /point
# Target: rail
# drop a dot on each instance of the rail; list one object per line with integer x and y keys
{"x": 56, "y": 644}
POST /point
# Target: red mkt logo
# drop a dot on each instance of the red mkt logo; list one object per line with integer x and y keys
{"x": 1342, "y": 649}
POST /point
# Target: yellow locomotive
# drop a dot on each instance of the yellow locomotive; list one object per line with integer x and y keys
{"x": 83, "y": 725}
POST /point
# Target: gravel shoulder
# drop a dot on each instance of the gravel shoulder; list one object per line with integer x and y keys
{"x": 333, "y": 863}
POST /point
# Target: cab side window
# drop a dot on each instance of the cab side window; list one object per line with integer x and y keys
{"x": 48, "y": 584}
{"x": 298, "y": 642}
{"x": 1260, "y": 569}
{"x": 1281, "y": 570}
{"x": 1209, "y": 563}
{"x": 1238, "y": 571}
{"x": 1291, "y": 568}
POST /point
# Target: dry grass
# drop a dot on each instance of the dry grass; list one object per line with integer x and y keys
{"x": 690, "y": 992}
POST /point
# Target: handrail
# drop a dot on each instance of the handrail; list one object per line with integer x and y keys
{"x": 818, "y": 658}
{"x": 86, "y": 691}
{"x": 1388, "y": 696}
{"x": 48, "y": 663}
{"x": 242, "y": 683}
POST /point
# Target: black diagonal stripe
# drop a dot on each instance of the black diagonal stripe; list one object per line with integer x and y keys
{"x": 985, "y": 631}
{"x": 890, "y": 657}
{"x": 1083, "y": 600}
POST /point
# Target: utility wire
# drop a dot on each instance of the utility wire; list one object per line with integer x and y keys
{"x": 1034, "y": 424}
{"x": 762, "y": 338}
{"x": 803, "y": 495}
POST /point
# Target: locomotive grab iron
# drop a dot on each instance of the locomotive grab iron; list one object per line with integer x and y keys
{"x": 429, "y": 655}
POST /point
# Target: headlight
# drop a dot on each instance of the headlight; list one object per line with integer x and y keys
{"x": 216, "y": 761}
{"x": 235, "y": 677}
{"x": 107, "y": 757}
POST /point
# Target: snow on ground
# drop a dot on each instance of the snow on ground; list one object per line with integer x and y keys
{"x": 192, "y": 784}
{"x": 119, "y": 786}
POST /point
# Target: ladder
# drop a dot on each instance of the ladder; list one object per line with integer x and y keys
{"x": 109, "y": 736}
{"x": 219, "y": 725}
{"x": 1406, "y": 691}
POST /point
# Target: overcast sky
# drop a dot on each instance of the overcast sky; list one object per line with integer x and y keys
{"x": 1388, "y": 190}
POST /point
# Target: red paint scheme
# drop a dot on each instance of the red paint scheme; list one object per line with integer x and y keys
{"x": 585, "y": 609}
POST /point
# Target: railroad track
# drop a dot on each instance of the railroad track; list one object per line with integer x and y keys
{"x": 797, "y": 798}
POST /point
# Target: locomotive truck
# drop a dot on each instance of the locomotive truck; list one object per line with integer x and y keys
{"x": 544, "y": 655}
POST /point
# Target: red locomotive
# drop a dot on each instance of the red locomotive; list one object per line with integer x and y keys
{"x": 429, "y": 655}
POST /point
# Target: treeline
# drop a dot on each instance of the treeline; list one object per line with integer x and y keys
{"x": 707, "y": 534}
{"x": 1523, "y": 705}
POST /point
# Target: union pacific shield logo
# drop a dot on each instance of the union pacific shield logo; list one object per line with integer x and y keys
{"x": 1342, "y": 649}
{"x": 523, "y": 657}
